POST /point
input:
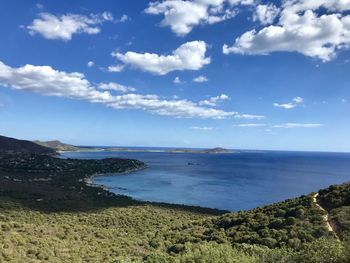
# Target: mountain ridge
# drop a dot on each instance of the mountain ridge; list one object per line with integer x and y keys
{"x": 10, "y": 145}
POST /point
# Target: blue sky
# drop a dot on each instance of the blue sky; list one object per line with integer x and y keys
{"x": 199, "y": 73}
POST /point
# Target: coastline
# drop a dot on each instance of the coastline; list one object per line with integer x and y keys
{"x": 148, "y": 151}
{"x": 89, "y": 181}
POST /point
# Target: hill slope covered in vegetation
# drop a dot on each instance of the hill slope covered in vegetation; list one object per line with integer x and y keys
{"x": 53, "y": 215}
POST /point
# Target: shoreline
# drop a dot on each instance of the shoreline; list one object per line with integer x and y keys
{"x": 94, "y": 150}
{"x": 89, "y": 181}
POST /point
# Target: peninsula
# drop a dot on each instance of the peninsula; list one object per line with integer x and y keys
{"x": 63, "y": 147}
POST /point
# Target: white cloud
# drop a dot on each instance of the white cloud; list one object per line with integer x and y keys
{"x": 283, "y": 125}
{"x": 90, "y": 64}
{"x": 200, "y": 79}
{"x": 251, "y": 125}
{"x": 266, "y": 14}
{"x": 181, "y": 16}
{"x": 124, "y": 18}
{"x": 343, "y": 100}
{"x": 301, "y": 28}
{"x": 177, "y": 80}
{"x": 295, "y": 102}
{"x": 115, "y": 87}
{"x": 39, "y": 6}
{"x": 298, "y": 100}
{"x": 50, "y": 82}
{"x": 116, "y": 68}
{"x": 298, "y": 125}
{"x": 213, "y": 101}
{"x": 63, "y": 27}
{"x": 189, "y": 56}
{"x": 249, "y": 117}
{"x": 202, "y": 128}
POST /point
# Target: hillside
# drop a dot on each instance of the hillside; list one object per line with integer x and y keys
{"x": 57, "y": 145}
{"x": 10, "y": 145}
{"x": 48, "y": 212}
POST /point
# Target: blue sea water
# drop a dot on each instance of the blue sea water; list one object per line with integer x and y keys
{"x": 237, "y": 181}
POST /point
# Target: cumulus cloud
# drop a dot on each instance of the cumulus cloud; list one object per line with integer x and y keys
{"x": 298, "y": 125}
{"x": 90, "y": 64}
{"x": 295, "y": 102}
{"x": 181, "y": 16}
{"x": 63, "y": 27}
{"x": 200, "y": 79}
{"x": 266, "y": 14}
{"x": 213, "y": 101}
{"x": 50, "y": 82}
{"x": 189, "y": 56}
{"x": 202, "y": 128}
{"x": 302, "y": 28}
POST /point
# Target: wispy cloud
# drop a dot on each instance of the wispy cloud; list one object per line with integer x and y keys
{"x": 200, "y": 79}
{"x": 115, "y": 87}
{"x": 298, "y": 125}
{"x": 213, "y": 101}
{"x": 295, "y": 102}
{"x": 116, "y": 68}
{"x": 124, "y": 18}
{"x": 282, "y": 125}
{"x": 250, "y": 125}
{"x": 202, "y": 128}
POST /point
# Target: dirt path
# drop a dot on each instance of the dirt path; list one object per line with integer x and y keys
{"x": 326, "y": 216}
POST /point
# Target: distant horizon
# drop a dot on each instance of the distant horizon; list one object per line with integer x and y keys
{"x": 206, "y": 148}
{"x": 178, "y": 147}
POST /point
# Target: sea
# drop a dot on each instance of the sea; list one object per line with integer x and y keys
{"x": 228, "y": 181}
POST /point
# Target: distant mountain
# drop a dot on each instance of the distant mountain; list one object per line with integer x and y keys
{"x": 57, "y": 145}
{"x": 10, "y": 145}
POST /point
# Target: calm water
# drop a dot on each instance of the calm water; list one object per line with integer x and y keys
{"x": 225, "y": 181}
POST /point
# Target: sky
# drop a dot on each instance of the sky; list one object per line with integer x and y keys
{"x": 239, "y": 74}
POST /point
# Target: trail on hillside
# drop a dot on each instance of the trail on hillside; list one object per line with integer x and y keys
{"x": 326, "y": 216}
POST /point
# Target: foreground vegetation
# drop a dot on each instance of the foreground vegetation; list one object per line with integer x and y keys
{"x": 48, "y": 213}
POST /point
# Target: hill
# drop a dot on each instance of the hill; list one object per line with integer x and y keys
{"x": 57, "y": 145}
{"x": 10, "y": 145}
{"x": 49, "y": 212}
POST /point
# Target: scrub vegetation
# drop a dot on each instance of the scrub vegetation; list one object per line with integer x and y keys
{"x": 52, "y": 214}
